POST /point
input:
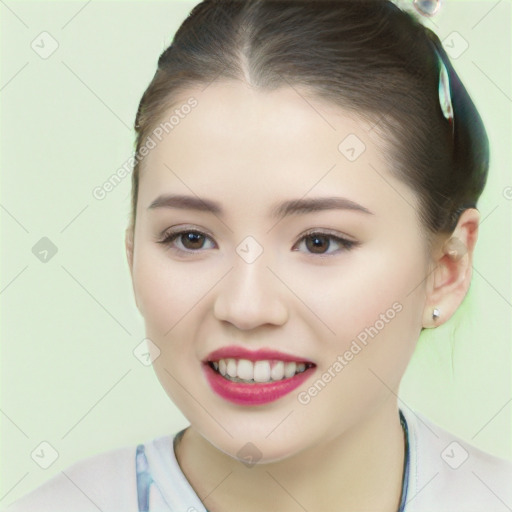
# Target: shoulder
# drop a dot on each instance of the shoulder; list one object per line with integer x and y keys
{"x": 102, "y": 482}
{"x": 448, "y": 474}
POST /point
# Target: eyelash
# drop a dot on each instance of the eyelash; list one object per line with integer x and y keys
{"x": 170, "y": 236}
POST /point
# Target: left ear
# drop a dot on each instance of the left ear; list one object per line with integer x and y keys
{"x": 450, "y": 278}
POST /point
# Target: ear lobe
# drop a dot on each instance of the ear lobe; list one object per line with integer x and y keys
{"x": 450, "y": 279}
{"x": 128, "y": 242}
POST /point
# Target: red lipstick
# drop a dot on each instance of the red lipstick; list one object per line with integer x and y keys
{"x": 253, "y": 393}
{"x": 235, "y": 352}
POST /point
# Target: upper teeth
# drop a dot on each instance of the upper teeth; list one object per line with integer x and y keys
{"x": 257, "y": 371}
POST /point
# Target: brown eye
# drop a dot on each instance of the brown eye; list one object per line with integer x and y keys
{"x": 321, "y": 243}
{"x": 192, "y": 240}
{"x": 317, "y": 244}
{"x": 186, "y": 241}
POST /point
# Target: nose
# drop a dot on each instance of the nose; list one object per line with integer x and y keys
{"x": 251, "y": 296}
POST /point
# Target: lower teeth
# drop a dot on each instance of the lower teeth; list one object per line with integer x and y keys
{"x": 244, "y": 381}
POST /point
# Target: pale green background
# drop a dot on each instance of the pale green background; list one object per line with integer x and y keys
{"x": 69, "y": 325}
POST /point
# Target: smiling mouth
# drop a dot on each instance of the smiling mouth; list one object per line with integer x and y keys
{"x": 258, "y": 372}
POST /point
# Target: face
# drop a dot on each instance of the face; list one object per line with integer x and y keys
{"x": 326, "y": 299}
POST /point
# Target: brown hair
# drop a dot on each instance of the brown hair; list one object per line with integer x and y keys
{"x": 366, "y": 56}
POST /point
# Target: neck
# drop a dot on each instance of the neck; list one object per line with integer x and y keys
{"x": 361, "y": 469}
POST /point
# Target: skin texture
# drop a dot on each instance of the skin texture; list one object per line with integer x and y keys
{"x": 249, "y": 150}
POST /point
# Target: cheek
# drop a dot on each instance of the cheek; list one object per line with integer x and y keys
{"x": 166, "y": 290}
{"x": 158, "y": 292}
{"x": 381, "y": 297}
{"x": 354, "y": 294}
{"x": 373, "y": 296}
{"x": 169, "y": 296}
{"x": 376, "y": 315}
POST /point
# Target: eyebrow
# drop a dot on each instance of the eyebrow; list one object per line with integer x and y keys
{"x": 290, "y": 207}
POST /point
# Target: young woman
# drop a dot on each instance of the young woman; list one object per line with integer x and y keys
{"x": 304, "y": 205}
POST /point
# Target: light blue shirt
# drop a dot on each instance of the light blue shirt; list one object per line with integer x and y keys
{"x": 443, "y": 474}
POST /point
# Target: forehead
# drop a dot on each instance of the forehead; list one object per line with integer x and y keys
{"x": 255, "y": 145}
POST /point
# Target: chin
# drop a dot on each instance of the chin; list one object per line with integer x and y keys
{"x": 258, "y": 451}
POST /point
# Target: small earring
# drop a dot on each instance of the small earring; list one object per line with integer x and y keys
{"x": 435, "y": 314}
